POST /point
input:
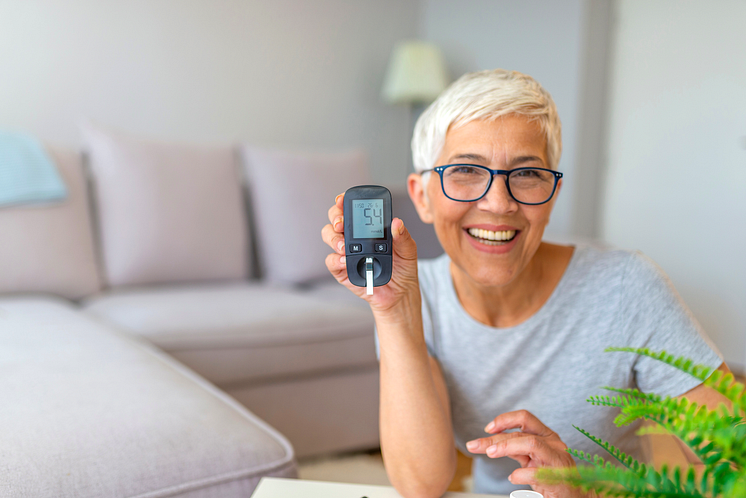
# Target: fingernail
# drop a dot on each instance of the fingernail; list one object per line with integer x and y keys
{"x": 337, "y": 198}
{"x": 492, "y": 450}
{"x": 341, "y": 245}
{"x": 510, "y": 478}
{"x": 401, "y": 229}
{"x": 472, "y": 445}
{"x": 337, "y": 222}
{"x": 343, "y": 260}
{"x": 489, "y": 427}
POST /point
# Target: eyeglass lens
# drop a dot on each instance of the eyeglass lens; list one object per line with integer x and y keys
{"x": 467, "y": 183}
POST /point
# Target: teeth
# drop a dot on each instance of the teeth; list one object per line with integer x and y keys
{"x": 490, "y": 235}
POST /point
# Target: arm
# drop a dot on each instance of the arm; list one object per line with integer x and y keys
{"x": 416, "y": 434}
{"x": 703, "y": 395}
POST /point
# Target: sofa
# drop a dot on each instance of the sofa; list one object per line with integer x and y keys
{"x": 170, "y": 329}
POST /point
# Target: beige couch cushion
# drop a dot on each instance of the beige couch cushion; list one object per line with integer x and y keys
{"x": 291, "y": 193}
{"x": 49, "y": 248}
{"x": 88, "y": 412}
{"x": 246, "y": 332}
{"x": 167, "y": 212}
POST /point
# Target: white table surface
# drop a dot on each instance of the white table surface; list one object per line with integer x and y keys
{"x": 274, "y": 487}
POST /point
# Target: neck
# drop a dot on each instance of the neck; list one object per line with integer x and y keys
{"x": 516, "y": 301}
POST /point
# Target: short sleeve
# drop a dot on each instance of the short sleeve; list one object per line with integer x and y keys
{"x": 654, "y": 316}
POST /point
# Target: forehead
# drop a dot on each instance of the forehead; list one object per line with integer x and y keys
{"x": 505, "y": 136}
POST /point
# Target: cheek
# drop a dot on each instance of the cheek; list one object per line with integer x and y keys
{"x": 447, "y": 217}
{"x": 537, "y": 216}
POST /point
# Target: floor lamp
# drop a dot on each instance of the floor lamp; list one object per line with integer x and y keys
{"x": 415, "y": 77}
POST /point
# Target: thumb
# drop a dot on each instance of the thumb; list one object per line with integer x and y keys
{"x": 403, "y": 244}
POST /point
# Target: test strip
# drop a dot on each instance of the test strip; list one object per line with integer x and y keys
{"x": 369, "y": 276}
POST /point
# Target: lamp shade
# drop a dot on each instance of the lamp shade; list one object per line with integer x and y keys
{"x": 416, "y": 74}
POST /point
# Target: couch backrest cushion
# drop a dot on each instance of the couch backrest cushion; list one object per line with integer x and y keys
{"x": 167, "y": 213}
{"x": 290, "y": 194}
{"x": 49, "y": 248}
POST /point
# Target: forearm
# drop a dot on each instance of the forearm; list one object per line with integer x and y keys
{"x": 416, "y": 434}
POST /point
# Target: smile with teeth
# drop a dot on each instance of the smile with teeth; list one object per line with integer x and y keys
{"x": 491, "y": 238}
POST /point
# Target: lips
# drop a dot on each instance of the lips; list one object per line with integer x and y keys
{"x": 490, "y": 237}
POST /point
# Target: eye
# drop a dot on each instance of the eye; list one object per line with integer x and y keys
{"x": 465, "y": 169}
{"x": 527, "y": 173}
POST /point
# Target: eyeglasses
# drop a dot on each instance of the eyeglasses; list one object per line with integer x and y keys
{"x": 470, "y": 182}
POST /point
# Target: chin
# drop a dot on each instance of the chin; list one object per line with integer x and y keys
{"x": 491, "y": 276}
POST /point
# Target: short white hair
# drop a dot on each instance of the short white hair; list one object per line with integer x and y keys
{"x": 485, "y": 95}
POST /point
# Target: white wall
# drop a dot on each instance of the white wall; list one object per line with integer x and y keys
{"x": 676, "y": 180}
{"x": 280, "y": 72}
{"x": 536, "y": 37}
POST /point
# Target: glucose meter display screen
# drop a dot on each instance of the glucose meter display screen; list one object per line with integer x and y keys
{"x": 367, "y": 219}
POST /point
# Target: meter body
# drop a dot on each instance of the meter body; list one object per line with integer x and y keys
{"x": 367, "y": 229}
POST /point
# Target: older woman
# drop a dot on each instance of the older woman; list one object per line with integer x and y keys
{"x": 495, "y": 346}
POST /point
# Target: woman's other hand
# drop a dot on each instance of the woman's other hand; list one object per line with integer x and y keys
{"x": 403, "y": 283}
{"x": 535, "y": 445}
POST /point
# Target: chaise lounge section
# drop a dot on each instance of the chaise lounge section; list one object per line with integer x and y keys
{"x": 88, "y": 411}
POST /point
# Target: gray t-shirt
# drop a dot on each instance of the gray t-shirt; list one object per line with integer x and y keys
{"x": 551, "y": 363}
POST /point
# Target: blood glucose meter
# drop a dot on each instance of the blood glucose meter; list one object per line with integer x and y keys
{"x": 367, "y": 225}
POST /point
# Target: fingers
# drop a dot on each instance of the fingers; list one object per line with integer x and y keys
{"x": 524, "y": 476}
{"x": 487, "y": 445}
{"x": 337, "y": 266}
{"x": 336, "y": 210}
{"x": 530, "y": 451}
{"x": 333, "y": 239}
{"x": 403, "y": 244}
{"x": 529, "y": 445}
{"x": 521, "y": 419}
{"x": 479, "y": 446}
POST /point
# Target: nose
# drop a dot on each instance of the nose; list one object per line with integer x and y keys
{"x": 498, "y": 199}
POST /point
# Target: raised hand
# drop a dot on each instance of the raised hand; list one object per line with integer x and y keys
{"x": 534, "y": 445}
{"x": 403, "y": 281}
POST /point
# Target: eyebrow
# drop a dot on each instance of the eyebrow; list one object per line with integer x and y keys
{"x": 468, "y": 157}
{"x": 479, "y": 158}
{"x": 524, "y": 159}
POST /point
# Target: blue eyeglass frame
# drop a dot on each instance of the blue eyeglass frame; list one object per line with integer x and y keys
{"x": 493, "y": 172}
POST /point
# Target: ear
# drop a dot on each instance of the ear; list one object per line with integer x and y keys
{"x": 416, "y": 189}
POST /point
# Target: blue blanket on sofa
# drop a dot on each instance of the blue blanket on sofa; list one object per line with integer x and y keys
{"x": 27, "y": 174}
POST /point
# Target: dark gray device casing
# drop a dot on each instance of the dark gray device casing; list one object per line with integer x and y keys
{"x": 382, "y": 261}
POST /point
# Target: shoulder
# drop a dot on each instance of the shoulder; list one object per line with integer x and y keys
{"x": 604, "y": 258}
{"x": 596, "y": 265}
{"x": 630, "y": 271}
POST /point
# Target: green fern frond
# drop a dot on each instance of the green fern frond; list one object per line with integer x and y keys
{"x": 594, "y": 460}
{"x": 652, "y": 430}
{"x": 626, "y": 460}
{"x": 634, "y": 393}
{"x": 616, "y": 481}
{"x": 614, "y": 401}
{"x": 723, "y": 383}
{"x": 726, "y": 385}
{"x": 717, "y": 437}
{"x": 682, "y": 363}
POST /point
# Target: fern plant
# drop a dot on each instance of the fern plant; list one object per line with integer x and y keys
{"x": 717, "y": 437}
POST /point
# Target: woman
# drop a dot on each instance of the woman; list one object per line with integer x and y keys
{"x": 505, "y": 331}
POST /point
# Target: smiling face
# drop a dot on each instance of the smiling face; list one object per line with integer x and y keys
{"x": 492, "y": 240}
